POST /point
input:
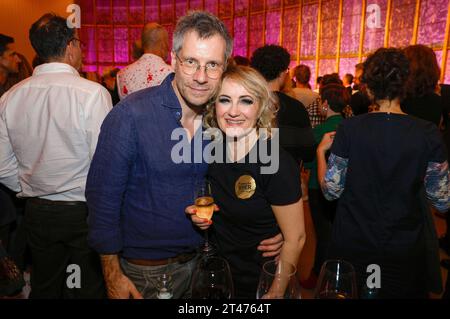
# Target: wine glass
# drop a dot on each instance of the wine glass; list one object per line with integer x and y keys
{"x": 212, "y": 279}
{"x": 204, "y": 203}
{"x": 337, "y": 280}
{"x": 278, "y": 281}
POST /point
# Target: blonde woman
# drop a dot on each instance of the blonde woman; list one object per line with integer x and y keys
{"x": 253, "y": 205}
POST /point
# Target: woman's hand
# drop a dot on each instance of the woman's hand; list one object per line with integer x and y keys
{"x": 327, "y": 141}
{"x": 201, "y": 223}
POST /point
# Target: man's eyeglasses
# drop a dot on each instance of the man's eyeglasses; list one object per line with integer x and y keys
{"x": 190, "y": 66}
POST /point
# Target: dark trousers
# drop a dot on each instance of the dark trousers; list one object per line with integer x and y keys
{"x": 322, "y": 213}
{"x": 4, "y": 235}
{"x": 57, "y": 237}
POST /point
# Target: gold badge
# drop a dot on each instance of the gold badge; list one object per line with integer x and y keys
{"x": 245, "y": 187}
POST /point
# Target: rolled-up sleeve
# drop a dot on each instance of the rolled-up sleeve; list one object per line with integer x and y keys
{"x": 107, "y": 180}
{"x": 335, "y": 177}
{"x": 437, "y": 185}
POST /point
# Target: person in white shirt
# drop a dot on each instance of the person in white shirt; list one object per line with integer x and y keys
{"x": 150, "y": 70}
{"x": 49, "y": 125}
{"x": 303, "y": 93}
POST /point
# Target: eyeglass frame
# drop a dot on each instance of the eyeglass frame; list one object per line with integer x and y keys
{"x": 199, "y": 66}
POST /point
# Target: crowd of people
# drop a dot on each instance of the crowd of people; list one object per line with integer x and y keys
{"x": 104, "y": 175}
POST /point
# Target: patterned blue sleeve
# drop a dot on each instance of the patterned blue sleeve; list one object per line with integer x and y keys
{"x": 335, "y": 177}
{"x": 437, "y": 185}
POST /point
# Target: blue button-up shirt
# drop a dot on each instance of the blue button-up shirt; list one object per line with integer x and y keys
{"x": 135, "y": 192}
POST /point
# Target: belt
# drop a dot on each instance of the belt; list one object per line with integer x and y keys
{"x": 41, "y": 201}
{"x": 180, "y": 259}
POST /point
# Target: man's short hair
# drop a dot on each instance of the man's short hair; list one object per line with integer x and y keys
{"x": 205, "y": 25}
{"x": 152, "y": 35}
{"x": 302, "y": 74}
{"x": 49, "y": 36}
{"x": 270, "y": 61}
{"x": 359, "y": 66}
{"x": 4, "y": 41}
{"x": 241, "y": 60}
{"x": 348, "y": 77}
{"x": 336, "y": 95}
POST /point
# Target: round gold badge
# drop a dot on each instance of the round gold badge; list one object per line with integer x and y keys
{"x": 245, "y": 187}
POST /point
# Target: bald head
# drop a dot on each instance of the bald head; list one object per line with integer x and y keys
{"x": 155, "y": 40}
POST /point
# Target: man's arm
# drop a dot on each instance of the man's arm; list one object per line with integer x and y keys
{"x": 98, "y": 106}
{"x": 9, "y": 172}
{"x": 118, "y": 285}
{"x": 106, "y": 184}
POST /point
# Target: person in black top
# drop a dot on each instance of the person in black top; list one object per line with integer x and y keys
{"x": 256, "y": 199}
{"x": 421, "y": 98}
{"x": 359, "y": 101}
{"x": 347, "y": 81}
{"x": 296, "y": 135}
{"x": 380, "y": 166}
{"x": 444, "y": 241}
{"x": 109, "y": 81}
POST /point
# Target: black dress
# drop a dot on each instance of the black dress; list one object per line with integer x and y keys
{"x": 378, "y": 219}
{"x": 241, "y": 224}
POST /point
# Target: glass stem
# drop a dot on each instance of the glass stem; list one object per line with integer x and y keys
{"x": 206, "y": 239}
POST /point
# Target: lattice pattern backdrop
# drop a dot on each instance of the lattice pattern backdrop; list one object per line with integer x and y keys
{"x": 328, "y": 35}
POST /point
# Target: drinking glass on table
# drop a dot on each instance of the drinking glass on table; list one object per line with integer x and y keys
{"x": 337, "y": 280}
{"x": 212, "y": 279}
{"x": 204, "y": 204}
{"x": 278, "y": 281}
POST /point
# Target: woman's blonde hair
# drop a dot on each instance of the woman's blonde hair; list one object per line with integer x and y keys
{"x": 257, "y": 86}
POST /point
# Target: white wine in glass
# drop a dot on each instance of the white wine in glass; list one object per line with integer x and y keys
{"x": 205, "y": 207}
{"x": 204, "y": 204}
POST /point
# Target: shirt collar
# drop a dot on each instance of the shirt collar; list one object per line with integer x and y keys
{"x": 146, "y": 56}
{"x": 55, "y": 67}
{"x": 170, "y": 100}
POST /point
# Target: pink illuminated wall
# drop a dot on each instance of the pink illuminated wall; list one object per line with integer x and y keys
{"x": 402, "y": 25}
{"x": 110, "y": 27}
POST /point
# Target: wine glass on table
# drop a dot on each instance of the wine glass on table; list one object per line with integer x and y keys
{"x": 278, "y": 281}
{"x": 337, "y": 280}
{"x": 204, "y": 204}
{"x": 212, "y": 279}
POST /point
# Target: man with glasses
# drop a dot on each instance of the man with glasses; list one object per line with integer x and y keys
{"x": 136, "y": 192}
{"x": 49, "y": 125}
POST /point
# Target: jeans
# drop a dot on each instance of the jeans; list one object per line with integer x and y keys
{"x": 145, "y": 278}
{"x": 57, "y": 237}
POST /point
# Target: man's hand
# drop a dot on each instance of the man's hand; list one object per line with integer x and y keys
{"x": 271, "y": 247}
{"x": 121, "y": 287}
{"x": 118, "y": 286}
